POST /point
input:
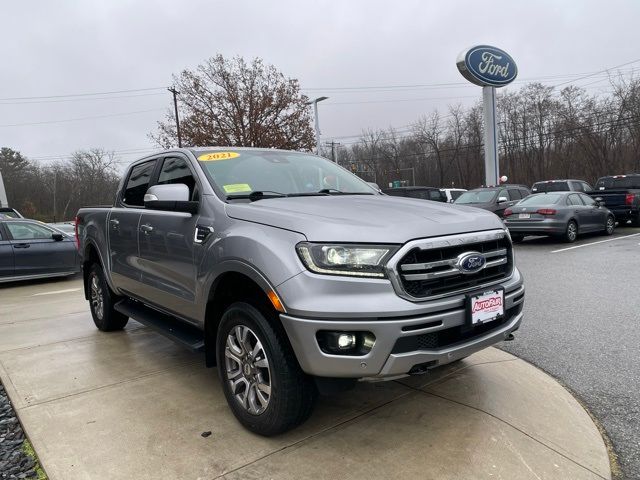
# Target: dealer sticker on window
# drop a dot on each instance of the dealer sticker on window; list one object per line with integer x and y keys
{"x": 486, "y": 307}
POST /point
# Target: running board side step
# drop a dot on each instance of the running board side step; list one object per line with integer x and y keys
{"x": 172, "y": 328}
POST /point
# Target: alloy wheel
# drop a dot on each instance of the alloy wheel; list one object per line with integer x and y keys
{"x": 96, "y": 297}
{"x": 247, "y": 369}
{"x": 572, "y": 231}
{"x": 610, "y": 225}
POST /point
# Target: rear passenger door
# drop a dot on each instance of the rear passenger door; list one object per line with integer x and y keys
{"x": 123, "y": 223}
{"x": 580, "y": 212}
{"x": 167, "y": 243}
{"x": 6, "y": 255}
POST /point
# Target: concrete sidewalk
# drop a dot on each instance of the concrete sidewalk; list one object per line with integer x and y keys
{"x": 132, "y": 404}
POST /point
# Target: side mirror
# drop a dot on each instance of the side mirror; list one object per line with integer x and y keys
{"x": 58, "y": 237}
{"x": 172, "y": 197}
{"x": 502, "y": 199}
{"x": 599, "y": 200}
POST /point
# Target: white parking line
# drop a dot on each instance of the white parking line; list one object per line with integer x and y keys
{"x": 56, "y": 291}
{"x": 595, "y": 243}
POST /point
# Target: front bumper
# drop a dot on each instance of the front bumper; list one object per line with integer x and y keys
{"x": 382, "y": 362}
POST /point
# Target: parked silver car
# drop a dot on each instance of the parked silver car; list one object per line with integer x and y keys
{"x": 564, "y": 214}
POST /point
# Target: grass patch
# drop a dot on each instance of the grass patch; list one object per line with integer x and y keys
{"x": 28, "y": 450}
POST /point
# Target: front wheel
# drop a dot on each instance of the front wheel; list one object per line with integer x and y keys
{"x": 571, "y": 233}
{"x": 261, "y": 378}
{"x": 101, "y": 301}
{"x": 609, "y": 226}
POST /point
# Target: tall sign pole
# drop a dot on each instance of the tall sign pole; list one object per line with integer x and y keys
{"x": 490, "y": 68}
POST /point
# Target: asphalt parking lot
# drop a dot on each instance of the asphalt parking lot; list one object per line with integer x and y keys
{"x": 581, "y": 326}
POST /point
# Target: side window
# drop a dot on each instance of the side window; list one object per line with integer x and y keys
{"x": 137, "y": 184}
{"x": 28, "y": 231}
{"x": 514, "y": 194}
{"x": 502, "y": 193}
{"x": 586, "y": 187}
{"x": 576, "y": 186}
{"x": 524, "y": 193}
{"x": 435, "y": 195}
{"x": 587, "y": 200}
{"x": 176, "y": 170}
{"x": 574, "y": 200}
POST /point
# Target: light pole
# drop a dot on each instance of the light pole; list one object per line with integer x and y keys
{"x": 315, "y": 113}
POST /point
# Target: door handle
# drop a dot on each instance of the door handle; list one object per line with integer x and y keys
{"x": 115, "y": 222}
{"x": 146, "y": 228}
{"x": 21, "y": 245}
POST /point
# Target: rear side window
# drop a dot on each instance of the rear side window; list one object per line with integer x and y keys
{"x": 137, "y": 184}
{"x": 514, "y": 194}
{"x": 586, "y": 187}
{"x": 577, "y": 187}
{"x": 176, "y": 170}
{"x": 436, "y": 195}
{"x": 587, "y": 199}
{"x": 574, "y": 200}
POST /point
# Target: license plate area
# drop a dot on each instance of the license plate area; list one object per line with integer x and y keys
{"x": 524, "y": 216}
{"x": 484, "y": 307}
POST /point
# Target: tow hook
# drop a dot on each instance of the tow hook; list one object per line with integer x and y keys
{"x": 509, "y": 338}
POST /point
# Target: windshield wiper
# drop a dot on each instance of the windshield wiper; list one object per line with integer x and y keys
{"x": 333, "y": 191}
{"x": 261, "y": 194}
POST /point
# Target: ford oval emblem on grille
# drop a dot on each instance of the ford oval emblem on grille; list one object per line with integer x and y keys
{"x": 470, "y": 262}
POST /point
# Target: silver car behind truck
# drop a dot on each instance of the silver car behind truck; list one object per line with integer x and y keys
{"x": 294, "y": 276}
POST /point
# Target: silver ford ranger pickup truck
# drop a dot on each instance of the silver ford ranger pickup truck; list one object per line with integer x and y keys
{"x": 293, "y": 276}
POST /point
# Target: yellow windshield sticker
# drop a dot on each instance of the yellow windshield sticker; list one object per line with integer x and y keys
{"x": 213, "y": 156}
{"x": 238, "y": 188}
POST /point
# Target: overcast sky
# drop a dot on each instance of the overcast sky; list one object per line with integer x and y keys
{"x": 50, "y": 49}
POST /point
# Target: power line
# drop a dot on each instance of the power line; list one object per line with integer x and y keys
{"x": 81, "y": 118}
{"x": 83, "y": 94}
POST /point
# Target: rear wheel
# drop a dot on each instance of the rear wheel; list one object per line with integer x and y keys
{"x": 261, "y": 378}
{"x": 101, "y": 302}
{"x": 571, "y": 233}
{"x": 610, "y": 225}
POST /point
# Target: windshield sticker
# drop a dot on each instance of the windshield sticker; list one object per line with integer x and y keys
{"x": 213, "y": 156}
{"x": 238, "y": 188}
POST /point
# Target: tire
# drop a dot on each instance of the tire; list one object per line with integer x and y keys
{"x": 571, "y": 232}
{"x": 635, "y": 221}
{"x": 101, "y": 301}
{"x": 271, "y": 394}
{"x": 610, "y": 225}
{"x": 516, "y": 238}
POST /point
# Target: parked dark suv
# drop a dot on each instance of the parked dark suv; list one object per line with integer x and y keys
{"x": 424, "y": 193}
{"x": 494, "y": 199}
{"x": 561, "y": 186}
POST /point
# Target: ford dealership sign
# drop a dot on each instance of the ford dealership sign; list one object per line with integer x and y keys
{"x": 487, "y": 66}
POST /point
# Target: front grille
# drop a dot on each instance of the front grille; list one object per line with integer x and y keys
{"x": 432, "y": 272}
{"x": 451, "y": 336}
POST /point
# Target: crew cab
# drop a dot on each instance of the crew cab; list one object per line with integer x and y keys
{"x": 621, "y": 195}
{"x": 294, "y": 276}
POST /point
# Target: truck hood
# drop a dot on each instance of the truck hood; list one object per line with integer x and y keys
{"x": 364, "y": 218}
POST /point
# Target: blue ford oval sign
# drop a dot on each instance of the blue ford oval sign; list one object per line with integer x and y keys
{"x": 487, "y": 66}
{"x": 471, "y": 262}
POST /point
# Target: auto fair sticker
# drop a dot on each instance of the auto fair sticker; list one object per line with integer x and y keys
{"x": 238, "y": 188}
{"x": 214, "y": 156}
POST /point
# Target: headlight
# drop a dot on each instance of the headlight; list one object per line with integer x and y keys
{"x": 351, "y": 260}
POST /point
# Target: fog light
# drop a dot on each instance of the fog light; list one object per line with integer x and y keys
{"x": 346, "y": 340}
{"x": 345, "y": 343}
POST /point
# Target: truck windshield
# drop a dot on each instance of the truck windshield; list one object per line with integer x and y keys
{"x": 238, "y": 173}
{"x": 480, "y": 196}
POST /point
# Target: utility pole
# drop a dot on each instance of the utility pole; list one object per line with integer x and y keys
{"x": 314, "y": 102}
{"x": 334, "y": 152}
{"x": 175, "y": 106}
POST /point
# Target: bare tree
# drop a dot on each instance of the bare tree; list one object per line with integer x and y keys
{"x": 232, "y": 102}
